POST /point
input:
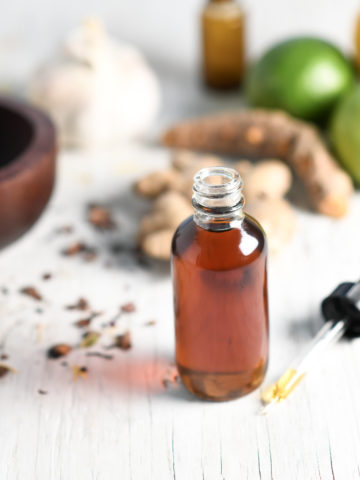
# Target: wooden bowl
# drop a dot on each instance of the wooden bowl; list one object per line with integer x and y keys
{"x": 27, "y": 167}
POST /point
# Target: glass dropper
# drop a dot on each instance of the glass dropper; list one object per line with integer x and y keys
{"x": 342, "y": 314}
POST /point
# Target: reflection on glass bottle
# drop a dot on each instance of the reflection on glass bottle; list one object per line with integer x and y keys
{"x": 223, "y": 43}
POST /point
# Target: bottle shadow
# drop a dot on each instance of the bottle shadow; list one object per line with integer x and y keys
{"x": 139, "y": 376}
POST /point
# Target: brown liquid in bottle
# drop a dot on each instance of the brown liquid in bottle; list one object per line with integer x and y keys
{"x": 221, "y": 308}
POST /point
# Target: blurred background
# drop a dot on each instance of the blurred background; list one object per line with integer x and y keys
{"x": 167, "y": 32}
{"x": 71, "y": 60}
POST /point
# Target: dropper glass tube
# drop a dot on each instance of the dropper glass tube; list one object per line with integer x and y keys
{"x": 276, "y": 393}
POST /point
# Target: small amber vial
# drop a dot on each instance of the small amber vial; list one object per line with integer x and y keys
{"x": 220, "y": 291}
{"x": 223, "y": 32}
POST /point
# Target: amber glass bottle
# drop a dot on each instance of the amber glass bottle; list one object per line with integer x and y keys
{"x": 220, "y": 291}
{"x": 223, "y": 25}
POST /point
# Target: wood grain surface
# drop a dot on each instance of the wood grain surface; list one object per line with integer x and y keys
{"x": 121, "y": 422}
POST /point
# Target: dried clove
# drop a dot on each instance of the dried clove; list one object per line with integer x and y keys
{"x": 87, "y": 252}
{"x": 74, "y": 248}
{"x": 59, "y": 350}
{"x": 123, "y": 341}
{"x": 170, "y": 378}
{"x": 46, "y": 276}
{"x": 100, "y": 217}
{"x": 79, "y": 372}
{"x": 5, "y": 369}
{"x": 85, "y": 322}
{"x": 81, "y": 304}
{"x": 42, "y": 392}
{"x": 31, "y": 292}
{"x": 128, "y": 307}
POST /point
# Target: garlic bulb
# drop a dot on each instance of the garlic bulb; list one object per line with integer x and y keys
{"x": 96, "y": 89}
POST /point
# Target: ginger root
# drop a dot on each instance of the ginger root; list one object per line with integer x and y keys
{"x": 277, "y": 218}
{"x": 169, "y": 210}
{"x": 158, "y": 182}
{"x": 266, "y": 183}
{"x": 158, "y": 244}
{"x": 267, "y": 179}
{"x": 267, "y": 134}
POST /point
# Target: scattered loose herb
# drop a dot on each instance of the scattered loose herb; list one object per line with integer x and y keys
{"x": 128, "y": 307}
{"x": 5, "y": 369}
{"x": 90, "y": 339}
{"x": 150, "y": 323}
{"x": 64, "y": 364}
{"x": 39, "y": 310}
{"x": 99, "y": 354}
{"x": 85, "y": 322}
{"x": 123, "y": 341}
{"x": 47, "y": 276}
{"x": 31, "y": 292}
{"x": 100, "y": 217}
{"x": 4, "y": 290}
{"x": 79, "y": 372}
{"x": 170, "y": 378}
{"x": 59, "y": 350}
{"x": 81, "y": 304}
{"x": 42, "y": 392}
{"x": 87, "y": 252}
{"x": 73, "y": 249}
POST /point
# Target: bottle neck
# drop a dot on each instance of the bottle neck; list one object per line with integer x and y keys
{"x": 218, "y": 199}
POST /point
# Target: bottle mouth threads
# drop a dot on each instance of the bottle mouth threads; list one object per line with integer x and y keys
{"x": 218, "y": 191}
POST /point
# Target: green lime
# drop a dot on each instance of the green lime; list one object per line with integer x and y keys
{"x": 303, "y": 76}
{"x": 345, "y": 133}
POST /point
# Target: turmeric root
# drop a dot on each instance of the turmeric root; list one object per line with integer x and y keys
{"x": 260, "y": 133}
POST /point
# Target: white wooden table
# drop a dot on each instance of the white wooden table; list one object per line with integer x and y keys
{"x": 121, "y": 422}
